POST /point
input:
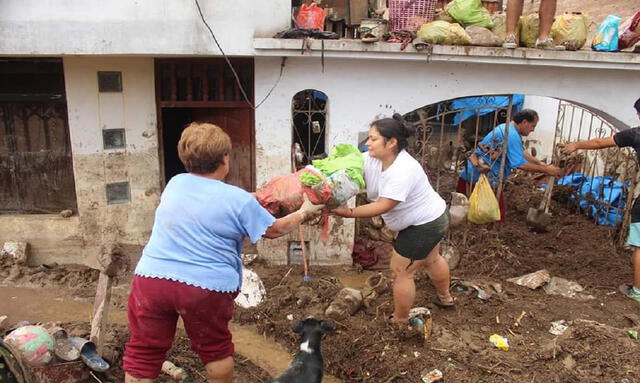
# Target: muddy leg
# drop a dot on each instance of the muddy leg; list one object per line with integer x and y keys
{"x": 220, "y": 371}
{"x": 404, "y": 286}
{"x": 438, "y": 270}
{"x": 636, "y": 267}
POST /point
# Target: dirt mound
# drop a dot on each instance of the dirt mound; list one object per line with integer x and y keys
{"x": 79, "y": 279}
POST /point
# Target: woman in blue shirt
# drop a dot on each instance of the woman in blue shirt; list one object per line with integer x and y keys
{"x": 191, "y": 266}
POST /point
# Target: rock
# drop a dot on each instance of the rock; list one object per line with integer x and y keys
{"x": 19, "y": 251}
{"x": 566, "y": 288}
{"x": 346, "y": 303}
{"x": 66, "y": 213}
{"x": 450, "y": 254}
{"x": 532, "y": 280}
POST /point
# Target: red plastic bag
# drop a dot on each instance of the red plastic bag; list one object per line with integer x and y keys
{"x": 629, "y": 32}
{"x": 311, "y": 16}
{"x": 284, "y": 195}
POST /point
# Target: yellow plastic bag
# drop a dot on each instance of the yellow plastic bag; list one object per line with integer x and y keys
{"x": 443, "y": 33}
{"x": 483, "y": 204}
{"x": 529, "y": 30}
{"x": 570, "y": 30}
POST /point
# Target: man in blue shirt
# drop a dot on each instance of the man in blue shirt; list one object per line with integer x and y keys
{"x": 487, "y": 158}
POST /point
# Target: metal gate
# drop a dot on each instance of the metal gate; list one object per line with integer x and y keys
{"x": 604, "y": 181}
{"x": 442, "y": 147}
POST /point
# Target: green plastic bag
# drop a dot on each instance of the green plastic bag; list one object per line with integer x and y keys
{"x": 470, "y": 12}
{"x": 483, "y": 204}
{"x": 343, "y": 156}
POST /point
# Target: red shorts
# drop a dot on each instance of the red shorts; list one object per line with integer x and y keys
{"x": 153, "y": 310}
{"x": 466, "y": 189}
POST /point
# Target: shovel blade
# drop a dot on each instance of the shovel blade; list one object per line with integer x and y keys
{"x": 538, "y": 220}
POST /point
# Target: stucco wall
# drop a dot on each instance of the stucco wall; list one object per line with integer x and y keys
{"x": 120, "y": 27}
{"x": 89, "y": 113}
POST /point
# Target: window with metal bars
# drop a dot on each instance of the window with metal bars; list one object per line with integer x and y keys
{"x": 309, "y": 121}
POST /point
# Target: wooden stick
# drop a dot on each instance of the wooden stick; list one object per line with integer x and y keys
{"x": 100, "y": 311}
{"x": 304, "y": 253}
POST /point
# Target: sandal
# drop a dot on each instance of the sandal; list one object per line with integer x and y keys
{"x": 438, "y": 302}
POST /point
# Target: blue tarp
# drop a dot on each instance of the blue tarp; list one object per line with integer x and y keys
{"x": 491, "y": 102}
{"x": 595, "y": 193}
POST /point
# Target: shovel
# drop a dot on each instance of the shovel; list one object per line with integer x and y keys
{"x": 539, "y": 218}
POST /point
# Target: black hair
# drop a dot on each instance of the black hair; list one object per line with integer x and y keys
{"x": 525, "y": 114}
{"x": 637, "y": 105}
{"x": 395, "y": 127}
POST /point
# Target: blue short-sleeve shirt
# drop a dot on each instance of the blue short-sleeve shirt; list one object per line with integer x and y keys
{"x": 198, "y": 232}
{"x": 490, "y": 150}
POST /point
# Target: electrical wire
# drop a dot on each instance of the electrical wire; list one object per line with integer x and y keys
{"x": 235, "y": 74}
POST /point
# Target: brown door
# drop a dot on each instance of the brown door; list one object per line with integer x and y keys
{"x": 237, "y": 124}
{"x": 205, "y": 90}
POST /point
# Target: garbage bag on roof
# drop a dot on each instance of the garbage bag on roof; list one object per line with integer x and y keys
{"x": 570, "y": 30}
{"x": 441, "y": 32}
{"x": 482, "y": 36}
{"x": 470, "y": 12}
{"x": 311, "y": 16}
{"x": 629, "y": 32}
{"x": 529, "y": 30}
{"x": 500, "y": 26}
{"x": 606, "y": 38}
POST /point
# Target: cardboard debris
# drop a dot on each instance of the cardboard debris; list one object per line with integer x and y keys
{"x": 532, "y": 280}
{"x": 252, "y": 292}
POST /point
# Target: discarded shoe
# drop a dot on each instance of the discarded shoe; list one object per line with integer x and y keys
{"x": 549, "y": 44}
{"x": 89, "y": 355}
{"x": 438, "y": 302}
{"x": 629, "y": 292}
{"x": 510, "y": 42}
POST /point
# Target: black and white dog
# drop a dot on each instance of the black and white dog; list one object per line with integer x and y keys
{"x": 307, "y": 366}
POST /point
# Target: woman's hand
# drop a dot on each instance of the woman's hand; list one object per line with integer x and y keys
{"x": 308, "y": 209}
{"x": 341, "y": 211}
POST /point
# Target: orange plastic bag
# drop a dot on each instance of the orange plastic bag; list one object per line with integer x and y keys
{"x": 311, "y": 16}
{"x": 284, "y": 195}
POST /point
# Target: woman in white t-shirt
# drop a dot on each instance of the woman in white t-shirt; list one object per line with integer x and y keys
{"x": 400, "y": 191}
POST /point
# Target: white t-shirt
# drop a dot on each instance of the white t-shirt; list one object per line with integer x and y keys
{"x": 404, "y": 181}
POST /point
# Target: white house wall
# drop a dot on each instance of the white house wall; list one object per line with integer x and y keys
{"x": 90, "y": 112}
{"x": 142, "y": 27}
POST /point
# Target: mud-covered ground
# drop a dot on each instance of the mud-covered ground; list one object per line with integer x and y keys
{"x": 595, "y": 348}
{"x": 365, "y": 348}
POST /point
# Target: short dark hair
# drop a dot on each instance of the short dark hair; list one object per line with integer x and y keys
{"x": 395, "y": 127}
{"x": 637, "y": 105}
{"x": 525, "y": 114}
